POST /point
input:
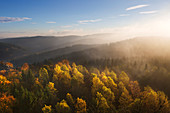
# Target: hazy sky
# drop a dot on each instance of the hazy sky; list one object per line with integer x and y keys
{"x": 80, "y": 17}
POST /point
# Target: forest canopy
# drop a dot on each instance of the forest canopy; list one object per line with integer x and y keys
{"x": 69, "y": 88}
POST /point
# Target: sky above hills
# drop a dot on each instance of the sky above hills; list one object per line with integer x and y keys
{"x": 80, "y": 17}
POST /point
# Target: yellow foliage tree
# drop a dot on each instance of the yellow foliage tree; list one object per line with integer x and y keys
{"x": 150, "y": 100}
{"x": 109, "y": 96}
{"x": 46, "y": 109}
{"x": 43, "y": 76}
{"x": 164, "y": 106}
{"x": 9, "y": 64}
{"x": 101, "y": 102}
{"x": 57, "y": 69}
{"x": 4, "y": 83}
{"x": 70, "y": 100}
{"x": 123, "y": 77}
{"x": 6, "y": 103}
{"x": 125, "y": 100}
{"x": 50, "y": 85}
{"x": 113, "y": 75}
{"x": 25, "y": 67}
{"x": 134, "y": 88}
{"x": 63, "y": 107}
{"x": 81, "y": 106}
{"x": 97, "y": 85}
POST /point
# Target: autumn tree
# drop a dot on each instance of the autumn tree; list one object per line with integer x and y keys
{"x": 62, "y": 79}
{"x": 109, "y": 96}
{"x": 65, "y": 68}
{"x": 82, "y": 69}
{"x": 164, "y": 105}
{"x": 80, "y": 106}
{"x": 95, "y": 70}
{"x": 134, "y": 89}
{"x": 6, "y": 103}
{"x": 37, "y": 84}
{"x": 43, "y": 76}
{"x": 78, "y": 87}
{"x": 112, "y": 85}
{"x": 78, "y": 75}
{"x": 63, "y": 107}
{"x": 113, "y": 75}
{"x": 46, "y": 109}
{"x": 101, "y": 104}
{"x": 136, "y": 106}
{"x": 150, "y": 100}
{"x": 108, "y": 81}
{"x": 70, "y": 100}
{"x": 123, "y": 77}
{"x": 106, "y": 71}
{"x": 25, "y": 67}
{"x": 97, "y": 85}
{"x": 9, "y": 64}
{"x": 4, "y": 84}
{"x": 51, "y": 93}
{"x": 125, "y": 100}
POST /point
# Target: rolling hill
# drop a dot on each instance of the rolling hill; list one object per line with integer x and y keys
{"x": 132, "y": 48}
{"x": 39, "y": 57}
{"x": 136, "y": 47}
{"x": 34, "y": 46}
{"x": 48, "y": 43}
{"x": 9, "y": 51}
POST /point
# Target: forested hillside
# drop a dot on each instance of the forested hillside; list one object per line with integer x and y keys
{"x": 48, "y": 46}
{"x": 142, "y": 47}
{"x": 146, "y": 60}
{"x": 9, "y": 51}
{"x": 40, "y": 44}
{"x": 66, "y": 87}
{"x": 40, "y": 57}
{"x": 137, "y": 47}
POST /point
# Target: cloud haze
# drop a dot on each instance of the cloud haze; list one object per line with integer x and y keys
{"x": 50, "y": 22}
{"x": 148, "y": 12}
{"x": 89, "y": 21}
{"x": 13, "y": 19}
{"x": 124, "y": 15}
{"x": 66, "y": 26}
{"x": 136, "y": 7}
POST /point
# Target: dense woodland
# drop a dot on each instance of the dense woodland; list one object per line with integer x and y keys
{"x": 153, "y": 71}
{"x": 130, "y": 76}
{"x": 146, "y": 60}
{"x": 66, "y": 87}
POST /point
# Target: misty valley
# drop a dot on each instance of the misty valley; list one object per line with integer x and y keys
{"x": 79, "y": 75}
